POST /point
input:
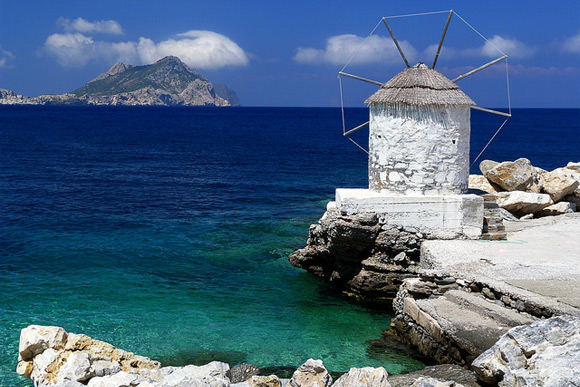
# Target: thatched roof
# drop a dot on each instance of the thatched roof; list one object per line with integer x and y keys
{"x": 420, "y": 85}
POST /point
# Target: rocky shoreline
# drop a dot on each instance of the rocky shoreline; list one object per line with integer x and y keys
{"x": 489, "y": 312}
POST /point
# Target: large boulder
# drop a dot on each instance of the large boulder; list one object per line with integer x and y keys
{"x": 487, "y": 165}
{"x": 361, "y": 377}
{"x": 561, "y": 182}
{"x": 311, "y": 374}
{"x": 517, "y": 175}
{"x": 558, "y": 209}
{"x": 481, "y": 183}
{"x": 522, "y": 203}
{"x": 36, "y": 338}
{"x": 544, "y": 353}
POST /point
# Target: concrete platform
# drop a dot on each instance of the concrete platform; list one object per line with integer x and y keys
{"x": 442, "y": 217}
{"x": 540, "y": 260}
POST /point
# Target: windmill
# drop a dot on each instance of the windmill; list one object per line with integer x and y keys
{"x": 419, "y": 133}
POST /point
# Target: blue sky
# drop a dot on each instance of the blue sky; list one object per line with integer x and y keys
{"x": 289, "y": 53}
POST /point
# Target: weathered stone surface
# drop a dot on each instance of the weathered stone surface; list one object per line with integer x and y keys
{"x": 264, "y": 381}
{"x": 430, "y": 382}
{"x": 311, "y": 374}
{"x": 368, "y": 376}
{"x": 522, "y": 203}
{"x": 439, "y": 372}
{"x": 574, "y": 199}
{"x": 243, "y": 372}
{"x": 36, "y": 338}
{"x": 517, "y": 175}
{"x": 481, "y": 183}
{"x": 120, "y": 379}
{"x": 57, "y": 357}
{"x": 560, "y": 182}
{"x": 558, "y": 209}
{"x": 573, "y": 166}
{"x": 544, "y": 353}
{"x": 355, "y": 254}
{"x": 487, "y": 165}
{"x": 214, "y": 374}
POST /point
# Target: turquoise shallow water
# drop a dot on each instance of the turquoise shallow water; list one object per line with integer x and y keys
{"x": 166, "y": 233}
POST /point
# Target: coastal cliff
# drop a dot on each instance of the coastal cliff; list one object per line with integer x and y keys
{"x": 167, "y": 82}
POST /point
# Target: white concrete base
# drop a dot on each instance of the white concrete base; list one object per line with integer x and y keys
{"x": 440, "y": 217}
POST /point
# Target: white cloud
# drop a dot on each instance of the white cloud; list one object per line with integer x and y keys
{"x": 339, "y": 49}
{"x": 86, "y": 27}
{"x": 572, "y": 44}
{"x": 511, "y": 47}
{"x": 71, "y": 49}
{"x": 5, "y": 57}
{"x": 198, "y": 49}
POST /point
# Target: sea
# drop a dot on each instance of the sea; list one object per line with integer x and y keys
{"x": 166, "y": 231}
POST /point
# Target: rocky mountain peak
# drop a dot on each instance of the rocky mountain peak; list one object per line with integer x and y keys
{"x": 168, "y": 81}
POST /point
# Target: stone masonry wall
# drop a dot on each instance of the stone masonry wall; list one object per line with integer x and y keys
{"x": 419, "y": 149}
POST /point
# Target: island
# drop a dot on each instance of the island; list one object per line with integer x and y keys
{"x": 167, "y": 82}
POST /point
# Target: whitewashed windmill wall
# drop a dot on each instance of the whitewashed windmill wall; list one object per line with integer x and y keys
{"x": 419, "y": 132}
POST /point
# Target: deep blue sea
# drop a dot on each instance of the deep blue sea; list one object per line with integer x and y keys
{"x": 166, "y": 231}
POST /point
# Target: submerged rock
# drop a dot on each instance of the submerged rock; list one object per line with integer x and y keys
{"x": 544, "y": 353}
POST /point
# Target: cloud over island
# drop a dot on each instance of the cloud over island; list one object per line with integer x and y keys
{"x": 199, "y": 49}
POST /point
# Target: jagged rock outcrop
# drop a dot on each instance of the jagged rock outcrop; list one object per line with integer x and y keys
{"x": 544, "y": 353}
{"x": 167, "y": 82}
{"x": 357, "y": 254}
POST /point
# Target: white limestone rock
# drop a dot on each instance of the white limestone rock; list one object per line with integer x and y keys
{"x": 431, "y": 382}
{"x": 34, "y": 339}
{"x": 522, "y": 203}
{"x": 544, "y": 353}
{"x": 360, "y": 377}
{"x": 74, "y": 366}
{"x": 558, "y": 209}
{"x": 486, "y": 165}
{"x": 480, "y": 182}
{"x": 311, "y": 374}
{"x": 120, "y": 379}
{"x": 214, "y": 374}
{"x": 561, "y": 182}
{"x": 264, "y": 381}
{"x": 575, "y": 166}
{"x": 41, "y": 375}
{"x": 517, "y": 175}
